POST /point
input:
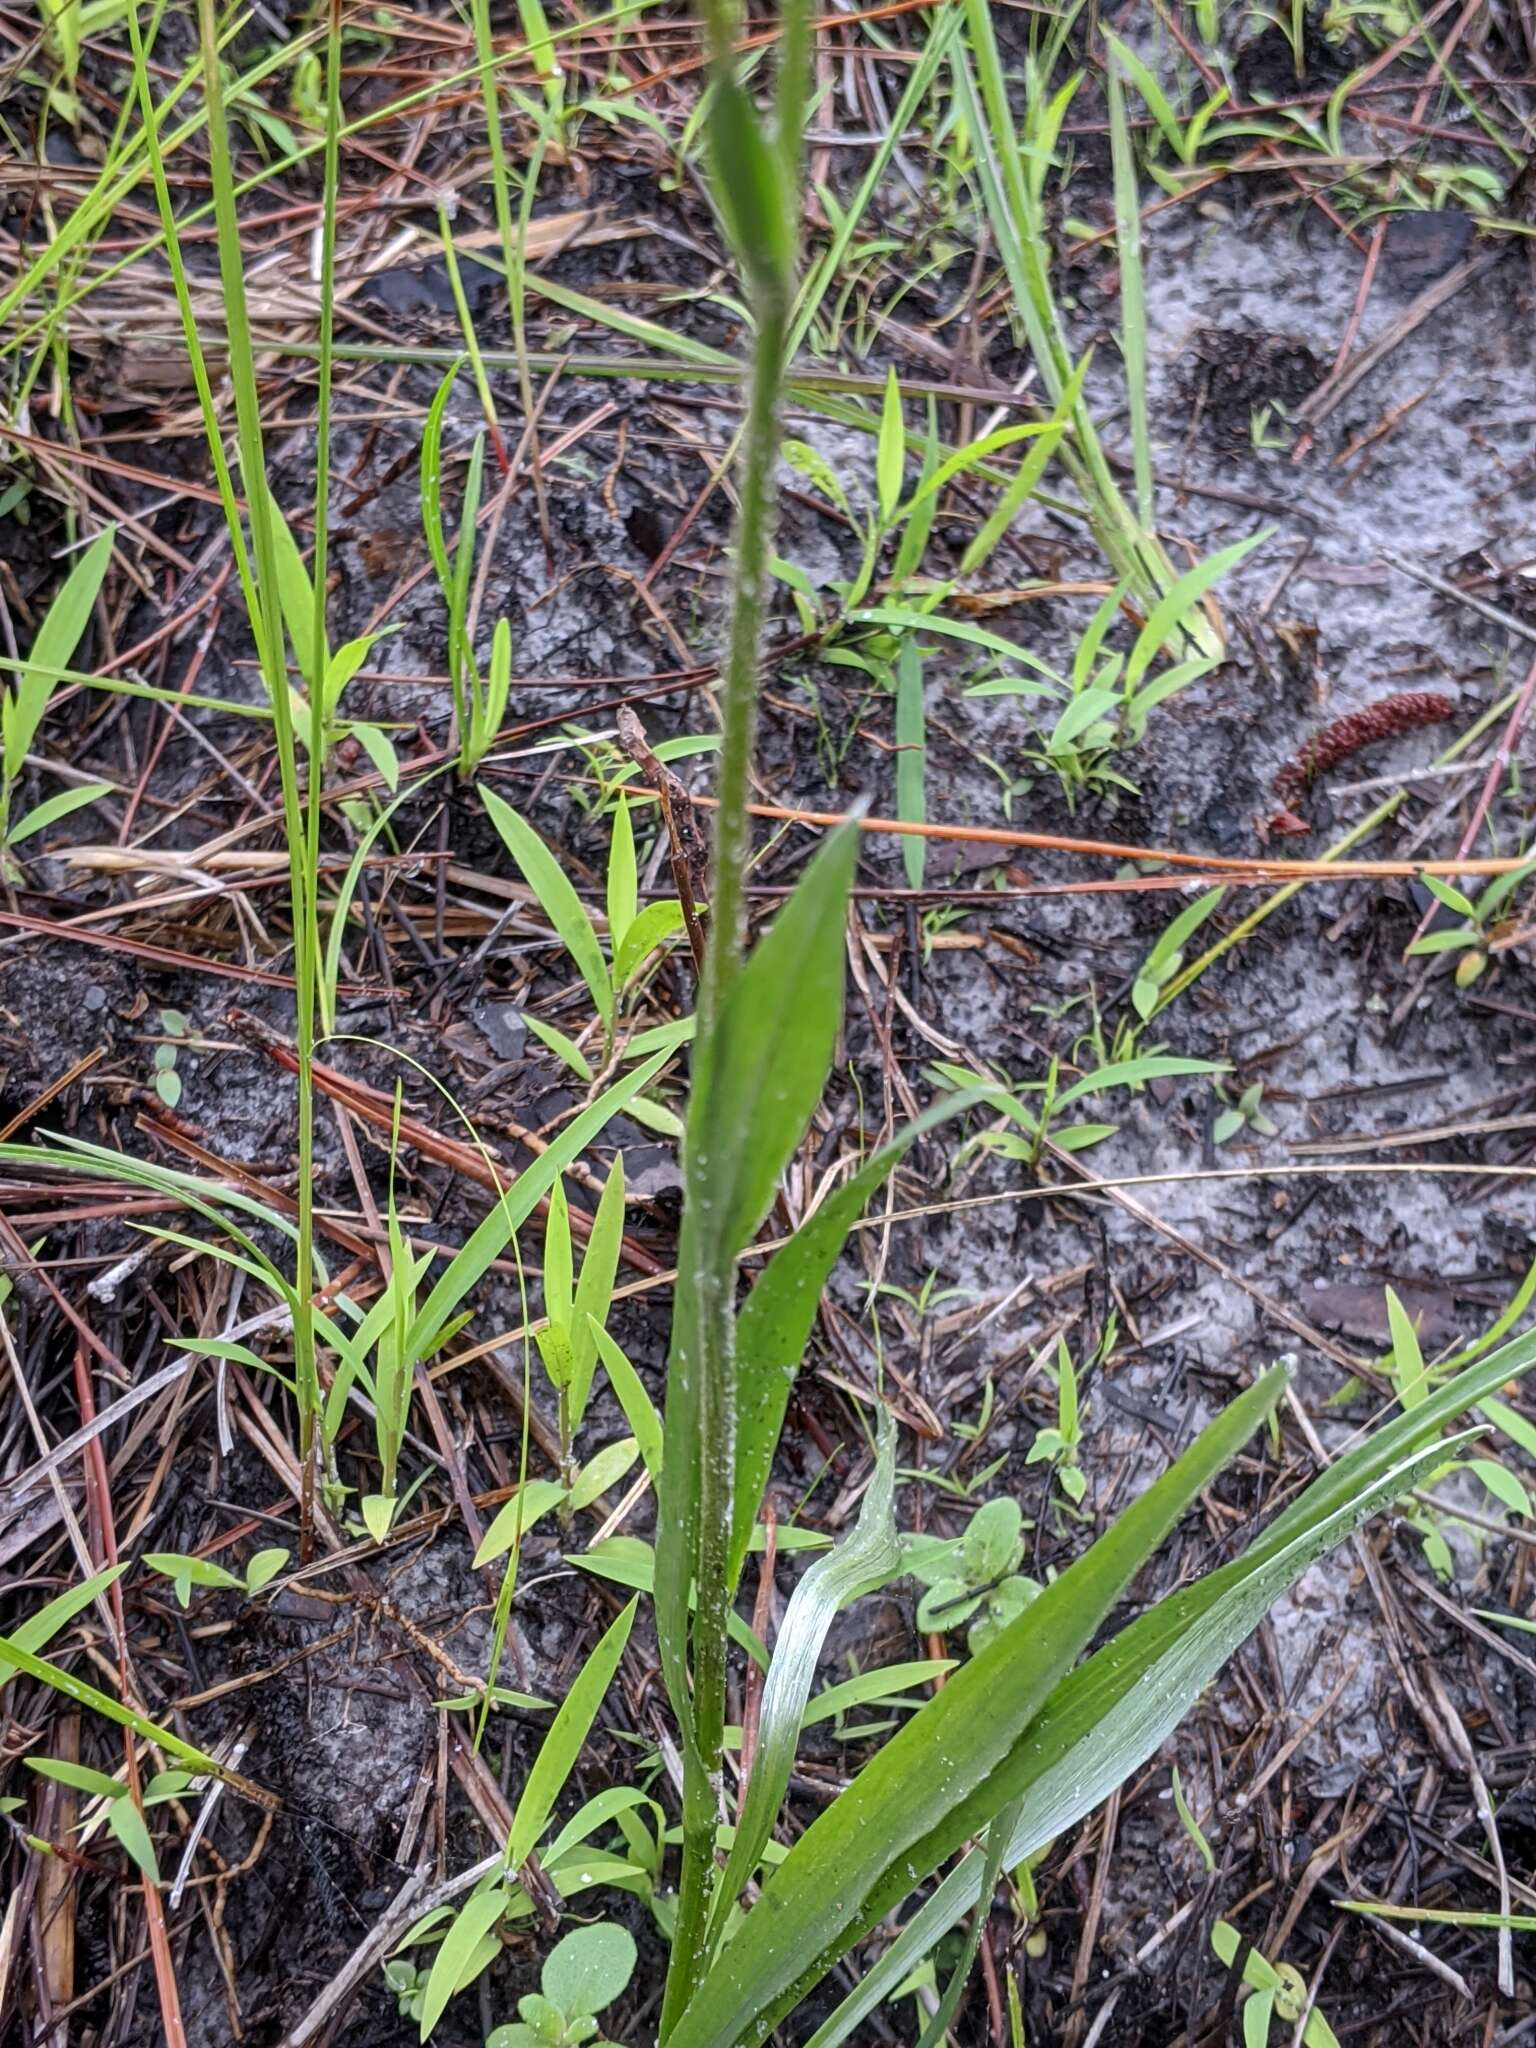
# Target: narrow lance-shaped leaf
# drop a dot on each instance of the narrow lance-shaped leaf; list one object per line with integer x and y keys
{"x": 458, "y": 1952}
{"x": 772, "y": 1047}
{"x": 594, "y": 1290}
{"x": 891, "y": 448}
{"x": 639, "y": 1409}
{"x": 623, "y": 882}
{"x": 563, "y": 1741}
{"x": 911, "y": 757}
{"x": 867, "y": 1560}
{"x": 558, "y": 900}
{"x": 487, "y": 1242}
{"x": 755, "y": 1085}
{"x": 53, "y": 808}
{"x": 775, "y": 1321}
{"x": 57, "y": 638}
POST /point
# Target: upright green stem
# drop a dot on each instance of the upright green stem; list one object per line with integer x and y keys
{"x": 307, "y": 951}
{"x": 267, "y": 628}
{"x": 716, "y": 1280}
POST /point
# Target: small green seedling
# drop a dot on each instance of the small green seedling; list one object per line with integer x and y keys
{"x": 576, "y": 1308}
{"x": 906, "y": 519}
{"x": 479, "y": 704}
{"x": 383, "y": 1359}
{"x": 469, "y": 1944}
{"x": 582, "y": 1974}
{"x": 923, "y": 1299}
{"x": 1276, "y": 1991}
{"x": 1191, "y": 1826}
{"x": 1167, "y": 956}
{"x": 536, "y": 1498}
{"x": 185, "y": 1572}
{"x": 1483, "y": 917}
{"x": 328, "y": 671}
{"x": 1412, "y": 1381}
{"x": 1245, "y": 1114}
{"x": 1062, "y": 1444}
{"x": 633, "y": 934}
{"x": 167, "y": 1081}
{"x": 1112, "y": 694}
{"x": 122, "y": 1816}
{"x": 408, "y": 1982}
{"x": 1037, "y": 1121}
{"x": 25, "y": 697}
{"x": 976, "y": 1574}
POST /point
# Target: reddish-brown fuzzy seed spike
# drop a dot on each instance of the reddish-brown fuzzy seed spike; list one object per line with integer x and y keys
{"x": 1405, "y": 712}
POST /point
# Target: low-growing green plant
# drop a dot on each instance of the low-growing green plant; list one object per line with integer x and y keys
{"x": 1111, "y": 694}
{"x": 1275, "y": 1992}
{"x": 633, "y": 934}
{"x": 1012, "y": 158}
{"x": 905, "y": 518}
{"x": 24, "y": 699}
{"x": 1190, "y": 1825}
{"x": 1484, "y": 917}
{"x": 479, "y": 701}
{"x": 582, "y": 1975}
{"x": 466, "y": 1936}
{"x": 1412, "y": 1379}
{"x": 186, "y": 1571}
{"x": 19, "y": 1653}
{"x": 1061, "y": 1444}
{"x": 974, "y": 1578}
{"x": 326, "y": 671}
{"x": 576, "y": 1309}
{"x": 400, "y": 1333}
{"x": 167, "y": 1080}
{"x": 123, "y": 1814}
{"x": 1167, "y": 956}
{"x": 1037, "y": 1121}
{"x": 1246, "y": 1113}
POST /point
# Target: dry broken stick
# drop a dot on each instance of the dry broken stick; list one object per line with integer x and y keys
{"x": 686, "y": 838}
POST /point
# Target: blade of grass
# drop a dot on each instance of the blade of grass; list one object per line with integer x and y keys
{"x": 875, "y": 1832}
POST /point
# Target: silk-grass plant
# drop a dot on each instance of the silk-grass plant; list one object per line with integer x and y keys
{"x": 1023, "y": 1739}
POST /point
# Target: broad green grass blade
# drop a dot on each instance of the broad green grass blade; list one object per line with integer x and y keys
{"x": 562, "y": 1745}
{"x": 775, "y": 1321}
{"x": 559, "y": 901}
{"x": 869, "y": 1559}
{"x": 531, "y": 1502}
{"x": 767, "y": 1064}
{"x": 470, "y": 1265}
{"x": 53, "y": 649}
{"x": 1106, "y": 1718}
{"x": 874, "y": 1835}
